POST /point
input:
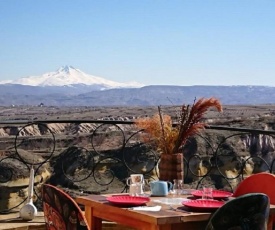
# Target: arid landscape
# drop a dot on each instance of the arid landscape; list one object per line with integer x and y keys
{"x": 127, "y": 113}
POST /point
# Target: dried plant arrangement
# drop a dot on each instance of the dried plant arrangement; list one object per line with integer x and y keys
{"x": 170, "y": 138}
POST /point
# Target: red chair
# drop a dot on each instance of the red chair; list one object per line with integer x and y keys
{"x": 61, "y": 211}
{"x": 258, "y": 183}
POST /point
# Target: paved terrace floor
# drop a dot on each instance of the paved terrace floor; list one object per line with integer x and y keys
{"x": 14, "y": 222}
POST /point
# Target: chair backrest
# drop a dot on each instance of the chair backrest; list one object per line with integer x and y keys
{"x": 250, "y": 211}
{"x": 61, "y": 211}
{"x": 258, "y": 183}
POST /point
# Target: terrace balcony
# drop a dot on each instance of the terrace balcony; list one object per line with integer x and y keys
{"x": 96, "y": 157}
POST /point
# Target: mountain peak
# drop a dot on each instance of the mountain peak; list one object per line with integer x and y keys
{"x": 66, "y": 69}
{"x": 68, "y": 76}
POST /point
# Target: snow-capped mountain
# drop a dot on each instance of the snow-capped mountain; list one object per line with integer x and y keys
{"x": 69, "y": 76}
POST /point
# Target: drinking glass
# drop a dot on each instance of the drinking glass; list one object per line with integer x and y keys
{"x": 177, "y": 187}
{"x": 207, "y": 193}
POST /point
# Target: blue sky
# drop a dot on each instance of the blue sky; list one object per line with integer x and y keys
{"x": 167, "y": 42}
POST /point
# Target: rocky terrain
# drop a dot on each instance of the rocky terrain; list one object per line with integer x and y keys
{"x": 41, "y": 112}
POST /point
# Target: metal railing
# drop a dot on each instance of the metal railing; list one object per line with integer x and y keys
{"x": 95, "y": 156}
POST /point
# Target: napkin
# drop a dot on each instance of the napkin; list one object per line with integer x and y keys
{"x": 147, "y": 208}
{"x": 170, "y": 201}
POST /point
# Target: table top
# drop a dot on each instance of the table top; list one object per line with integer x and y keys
{"x": 164, "y": 216}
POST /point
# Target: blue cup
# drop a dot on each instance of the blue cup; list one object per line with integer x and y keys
{"x": 160, "y": 188}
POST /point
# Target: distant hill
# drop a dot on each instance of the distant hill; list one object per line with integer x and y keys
{"x": 69, "y": 86}
{"x": 82, "y": 95}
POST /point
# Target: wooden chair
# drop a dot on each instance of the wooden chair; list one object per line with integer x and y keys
{"x": 247, "y": 212}
{"x": 61, "y": 211}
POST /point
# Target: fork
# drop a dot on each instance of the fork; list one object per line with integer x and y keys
{"x": 178, "y": 210}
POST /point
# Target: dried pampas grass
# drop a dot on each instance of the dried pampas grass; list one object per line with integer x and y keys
{"x": 169, "y": 139}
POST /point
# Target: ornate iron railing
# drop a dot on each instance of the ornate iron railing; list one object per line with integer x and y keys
{"x": 88, "y": 156}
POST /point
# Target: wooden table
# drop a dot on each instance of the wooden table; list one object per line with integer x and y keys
{"x": 97, "y": 208}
